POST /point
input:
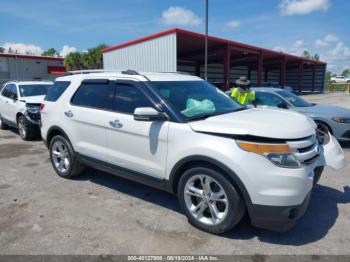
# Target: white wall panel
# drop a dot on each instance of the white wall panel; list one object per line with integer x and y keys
{"x": 155, "y": 55}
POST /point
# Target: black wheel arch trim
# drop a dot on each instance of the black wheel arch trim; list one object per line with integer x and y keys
{"x": 321, "y": 121}
{"x": 174, "y": 176}
{"x": 49, "y": 132}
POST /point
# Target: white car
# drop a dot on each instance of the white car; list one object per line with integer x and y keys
{"x": 20, "y": 106}
{"x": 340, "y": 79}
{"x": 181, "y": 134}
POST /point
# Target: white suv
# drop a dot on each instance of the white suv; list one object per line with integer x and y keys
{"x": 20, "y": 106}
{"x": 340, "y": 79}
{"x": 181, "y": 134}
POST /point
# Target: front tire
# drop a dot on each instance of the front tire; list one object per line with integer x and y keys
{"x": 63, "y": 158}
{"x": 209, "y": 200}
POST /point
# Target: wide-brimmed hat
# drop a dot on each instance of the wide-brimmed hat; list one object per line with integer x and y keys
{"x": 243, "y": 81}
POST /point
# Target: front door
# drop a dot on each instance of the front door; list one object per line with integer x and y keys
{"x": 9, "y": 102}
{"x": 135, "y": 145}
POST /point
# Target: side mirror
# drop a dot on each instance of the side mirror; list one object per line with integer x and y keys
{"x": 149, "y": 114}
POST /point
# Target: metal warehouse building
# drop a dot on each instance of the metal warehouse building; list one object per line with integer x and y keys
{"x": 28, "y": 67}
{"x": 177, "y": 50}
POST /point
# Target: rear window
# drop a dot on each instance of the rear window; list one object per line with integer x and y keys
{"x": 56, "y": 90}
{"x": 33, "y": 90}
{"x": 99, "y": 96}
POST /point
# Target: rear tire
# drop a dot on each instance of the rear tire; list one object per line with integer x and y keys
{"x": 63, "y": 158}
{"x": 197, "y": 190}
{"x": 27, "y": 131}
{"x": 3, "y": 126}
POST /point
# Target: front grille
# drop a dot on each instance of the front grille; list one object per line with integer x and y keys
{"x": 306, "y": 150}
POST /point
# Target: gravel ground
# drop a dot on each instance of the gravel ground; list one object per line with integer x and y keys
{"x": 98, "y": 213}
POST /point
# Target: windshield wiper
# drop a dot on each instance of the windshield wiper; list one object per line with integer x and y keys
{"x": 205, "y": 116}
{"x": 201, "y": 117}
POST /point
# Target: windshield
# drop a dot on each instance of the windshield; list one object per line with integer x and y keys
{"x": 294, "y": 99}
{"x": 196, "y": 99}
{"x": 33, "y": 90}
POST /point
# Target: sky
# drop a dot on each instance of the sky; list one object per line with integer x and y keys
{"x": 292, "y": 26}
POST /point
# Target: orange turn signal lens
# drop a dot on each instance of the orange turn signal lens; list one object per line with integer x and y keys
{"x": 264, "y": 148}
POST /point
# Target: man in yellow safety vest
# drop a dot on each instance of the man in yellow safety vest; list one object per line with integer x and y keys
{"x": 242, "y": 93}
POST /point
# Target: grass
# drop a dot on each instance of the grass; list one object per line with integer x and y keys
{"x": 336, "y": 87}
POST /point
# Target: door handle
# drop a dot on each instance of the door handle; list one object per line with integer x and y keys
{"x": 116, "y": 124}
{"x": 69, "y": 113}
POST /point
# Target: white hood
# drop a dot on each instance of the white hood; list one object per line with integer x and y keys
{"x": 271, "y": 123}
{"x": 33, "y": 99}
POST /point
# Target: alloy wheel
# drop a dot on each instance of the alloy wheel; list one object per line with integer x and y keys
{"x": 206, "y": 199}
{"x": 60, "y": 157}
{"x": 22, "y": 128}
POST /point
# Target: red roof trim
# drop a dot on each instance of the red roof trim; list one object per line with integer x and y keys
{"x": 33, "y": 57}
{"x": 139, "y": 40}
{"x": 213, "y": 38}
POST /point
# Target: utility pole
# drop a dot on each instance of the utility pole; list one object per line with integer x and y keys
{"x": 16, "y": 59}
{"x": 206, "y": 42}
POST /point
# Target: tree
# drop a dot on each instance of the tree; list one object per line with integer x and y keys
{"x": 346, "y": 72}
{"x": 74, "y": 61}
{"x": 92, "y": 59}
{"x": 314, "y": 57}
{"x": 2, "y": 50}
{"x": 328, "y": 76}
{"x": 50, "y": 52}
{"x": 306, "y": 54}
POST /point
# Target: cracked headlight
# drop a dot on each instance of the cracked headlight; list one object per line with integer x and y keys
{"x": 279, "y": 154}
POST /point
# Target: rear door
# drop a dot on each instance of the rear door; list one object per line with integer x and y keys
{"x": 86, "y": 118}
{"x": 135, "y": 145}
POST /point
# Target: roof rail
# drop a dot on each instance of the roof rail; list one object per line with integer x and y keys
{"x": 26, "y": 80}
{"x": 130, "y": 72}
{"x": 90, "y": 71}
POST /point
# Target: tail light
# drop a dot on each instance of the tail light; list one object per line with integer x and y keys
{"x": 42, "y": 106}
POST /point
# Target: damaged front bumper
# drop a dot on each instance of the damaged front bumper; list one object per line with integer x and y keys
{"x": 33, "y": 118}
{"x": 283, "y": 217}
{"x": 333, "y": 155}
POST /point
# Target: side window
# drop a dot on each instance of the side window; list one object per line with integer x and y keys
{"x": 13, "y": 90}
{"x": 128, "y": 97}
{"x": 94, "y": 95}
{"x": 9, "y": 91}
{"x": 267, "y": 99}
{"x": 6, "y": 91}
{"x": 56, "y": 90}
